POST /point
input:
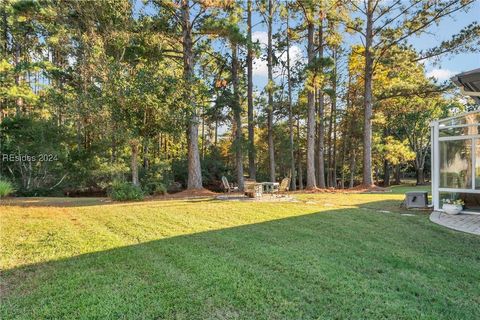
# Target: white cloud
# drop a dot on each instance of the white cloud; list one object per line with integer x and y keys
{"x": 260, "y": 67}
{"x": 295, "y": 55}
{"x": 261, "y": 36}
{"x": 441, "y": 74}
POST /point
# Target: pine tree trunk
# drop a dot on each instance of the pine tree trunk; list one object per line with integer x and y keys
{"x": 329, "y": 149}
{"x": 334, "y": 151}
{"x": 194, "y": 169}
{"x": 271, "y": 151}
{"x": 237, "y": 111}
{"x": 299, "y": 157}
{"x": 251, "y": 128}
{"x": 342, "y": 163}
{"x": 333, "y": 127}
{"x": 293, "y": 180}
{"x": 203, "y": 136}
{"x": 321, "y": 140}
{"x": 368, "y": 103}
{"x": 311, "y": 184}
{"x": 321, "y": 116}
{"x": 346, "y": 137}
{"x": 352, "y": 169}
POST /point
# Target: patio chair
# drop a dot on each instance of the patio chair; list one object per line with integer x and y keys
{"x": 228, "y": 187}
{"x": 284, "y": 185}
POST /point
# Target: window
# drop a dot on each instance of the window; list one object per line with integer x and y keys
{"x": 456, "y": 164}
{"x": 470, "y": 118}
{"x": 463, "y": 130}
{"x": 477, "y": 164}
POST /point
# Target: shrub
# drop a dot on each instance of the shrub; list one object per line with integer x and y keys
{"x": 156, "y": 179}
{"x": 89, "y": 170}
{"x": 154, "y": 187}
{"x": 6, "y": 188}
{"x": 125, "y": 191}
{"x": 160, "y": 189}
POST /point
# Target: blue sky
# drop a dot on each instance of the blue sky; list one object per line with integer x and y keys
{"x": 450, "y": 64}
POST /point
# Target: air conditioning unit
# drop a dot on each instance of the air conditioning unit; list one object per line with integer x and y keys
{"x": 416, "y": 199}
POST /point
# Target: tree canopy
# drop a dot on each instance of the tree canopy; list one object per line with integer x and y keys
{"x": 94, "y": 92}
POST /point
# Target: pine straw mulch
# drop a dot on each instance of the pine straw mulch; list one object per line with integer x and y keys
{"x": 266, "y": 197}
{"x": 185, "y": 194}
{"x": 357, "y": 189}
{"x": 205, "y": 193}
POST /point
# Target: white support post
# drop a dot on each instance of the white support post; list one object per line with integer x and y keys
{"x": 474, "y": 160}
{"x": 435, "y": 163}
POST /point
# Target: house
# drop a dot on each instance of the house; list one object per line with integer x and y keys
{"x": 456, "y": 151}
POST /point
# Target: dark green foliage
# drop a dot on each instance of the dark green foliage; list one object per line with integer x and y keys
{"x": 89, "y": 169}
{"x": 34, "y": 154}
{"x": 213, "y": 168}
{"x": 125, "y": 191}
{"x": 180, "y": 170}
{"x": 156, "y": 179}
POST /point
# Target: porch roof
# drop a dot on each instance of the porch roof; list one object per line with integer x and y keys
{"x": 469, "y": 82}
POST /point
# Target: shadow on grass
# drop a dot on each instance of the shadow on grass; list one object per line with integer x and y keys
{"x": 332, "y": 264}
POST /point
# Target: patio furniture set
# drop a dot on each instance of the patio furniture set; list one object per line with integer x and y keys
{"x": 254, "y": 189}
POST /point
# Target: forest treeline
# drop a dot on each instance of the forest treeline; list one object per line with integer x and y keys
{"x": 161, "y": 93}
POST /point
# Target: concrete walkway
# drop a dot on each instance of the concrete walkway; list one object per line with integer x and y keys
{"x": 469, "y": 223}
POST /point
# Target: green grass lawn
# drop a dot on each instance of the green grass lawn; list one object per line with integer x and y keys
{"x": 401, "y": 189}
{"x": 328, "y": 256}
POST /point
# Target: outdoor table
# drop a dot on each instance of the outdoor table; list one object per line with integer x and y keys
{"x": 270, "y": 187}
{"x": 253, "y": 189}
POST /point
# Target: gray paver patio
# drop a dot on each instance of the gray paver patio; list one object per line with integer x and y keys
{"x": 469, "y": 223}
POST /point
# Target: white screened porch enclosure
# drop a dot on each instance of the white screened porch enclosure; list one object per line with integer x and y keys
{"x": 456, "y": 151}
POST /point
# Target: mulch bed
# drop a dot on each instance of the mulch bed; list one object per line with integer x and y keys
{"x": 357, "y": 189}
{"x": 186, "y": 194}
{"x": 265, "y": 198}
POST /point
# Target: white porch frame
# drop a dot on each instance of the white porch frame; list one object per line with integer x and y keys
{"x": 435, "y": 161}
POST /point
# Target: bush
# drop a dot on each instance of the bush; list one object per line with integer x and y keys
{"x": 5, "y": 188}
{"x": 154, "y": 188}
{"x": 89, "y": 170}
{"x": 156, "y": 179}
{"x": 160, "y": 189}
{"x": 125, "y": 191}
